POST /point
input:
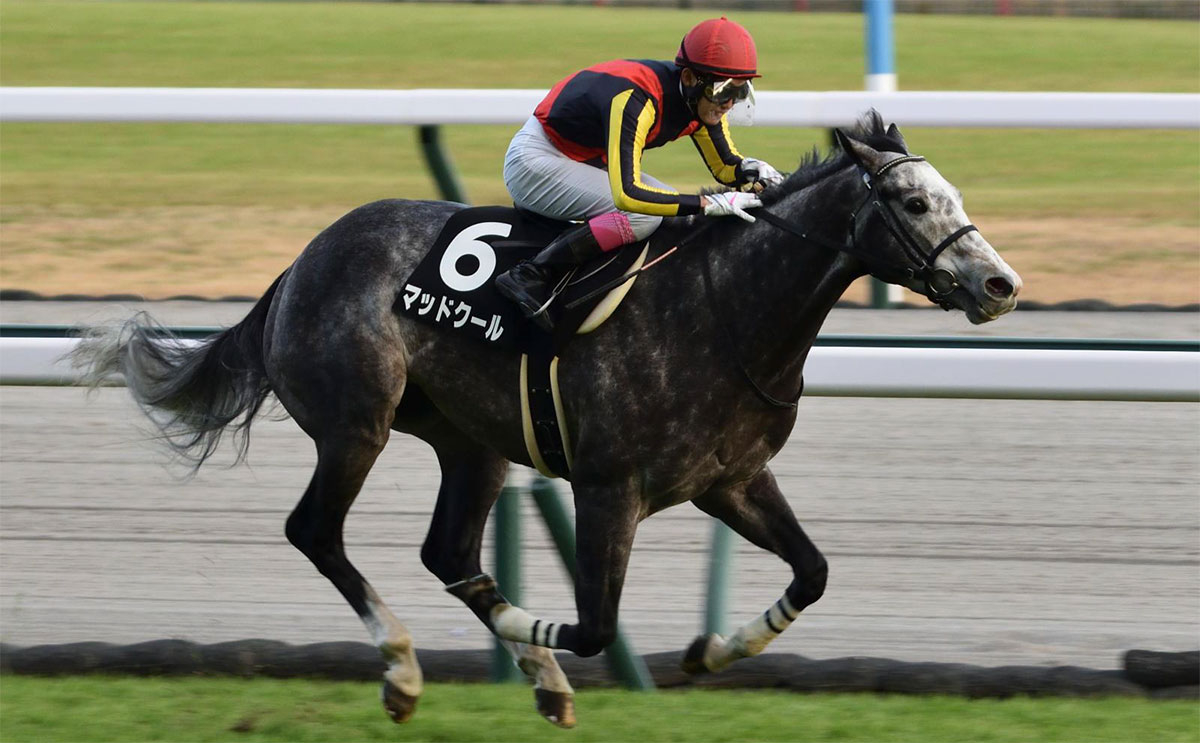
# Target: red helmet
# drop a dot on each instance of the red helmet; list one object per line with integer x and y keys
{"x": 719, "y": 47}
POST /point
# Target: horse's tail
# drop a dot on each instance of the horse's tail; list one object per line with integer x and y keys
{"x": 191, "y": 391}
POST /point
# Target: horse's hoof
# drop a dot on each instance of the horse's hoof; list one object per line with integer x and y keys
{"x": 399, "y": 706}
{"x": 693, "y": 659}
{"x": 556, "y": 706}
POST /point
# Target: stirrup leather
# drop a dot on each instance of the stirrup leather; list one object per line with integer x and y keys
{"x": 525, "y": 284}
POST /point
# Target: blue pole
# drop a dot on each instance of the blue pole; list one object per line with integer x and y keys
{"x": 881, "y": 54}
{"x": 881, "y": 78}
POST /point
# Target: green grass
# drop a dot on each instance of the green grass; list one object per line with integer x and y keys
{"x": 411, "y": 45}
{"x": 129, "y": 165}
{"x": 453, "y": 45}
{"x": 128, "y": 709}
{"x": 63, "y": 187}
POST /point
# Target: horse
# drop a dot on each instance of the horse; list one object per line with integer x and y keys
{"x": 683, "y": 395}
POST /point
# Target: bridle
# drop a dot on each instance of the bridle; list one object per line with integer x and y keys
{"x": 939, "y": 282}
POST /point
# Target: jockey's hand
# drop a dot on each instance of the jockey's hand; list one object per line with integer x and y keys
{"x": 757, "y": 174}
{"x": 730, "y": 202}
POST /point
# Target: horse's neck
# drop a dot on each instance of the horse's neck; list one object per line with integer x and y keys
{"x": 776, "y": 290}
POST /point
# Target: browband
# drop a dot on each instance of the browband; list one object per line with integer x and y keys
{"x": 893, "y": 163}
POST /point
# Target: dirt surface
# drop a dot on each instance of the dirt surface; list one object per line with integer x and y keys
{"x": 1003, "y": 532}
{"x": 1006, "y": 532}
{"x": 219, "y": 252}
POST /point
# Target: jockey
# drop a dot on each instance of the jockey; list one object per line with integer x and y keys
{"x": 579, "y": 157}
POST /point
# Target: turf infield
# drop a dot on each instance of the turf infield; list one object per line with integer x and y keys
{"x": 221, "y": 209}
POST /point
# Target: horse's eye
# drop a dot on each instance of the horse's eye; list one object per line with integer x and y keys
{"x": 916, "y": 206}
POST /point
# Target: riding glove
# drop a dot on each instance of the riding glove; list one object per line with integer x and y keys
{"x": 731, "y": 202}
{"x": 758, "y": 173}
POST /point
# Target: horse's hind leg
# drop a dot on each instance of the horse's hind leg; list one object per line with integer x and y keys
{"x": 759, "y": 512}
{"x": 315, "y": 528}
{"x": 472, "y": 477}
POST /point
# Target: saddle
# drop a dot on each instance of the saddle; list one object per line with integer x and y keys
{"x": 453, "y": 285}
{"x": 453, "y": 289}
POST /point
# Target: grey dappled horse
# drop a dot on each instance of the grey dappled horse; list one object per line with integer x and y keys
{"x": 683, "y": 395}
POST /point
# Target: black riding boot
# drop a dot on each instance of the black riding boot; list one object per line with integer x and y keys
{"x": 528, "y": 282}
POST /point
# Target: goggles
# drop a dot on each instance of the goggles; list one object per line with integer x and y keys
{"x": 724, "y": 90}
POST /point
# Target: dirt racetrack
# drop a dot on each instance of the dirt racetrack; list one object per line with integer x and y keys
{"x": 987, "y": 532}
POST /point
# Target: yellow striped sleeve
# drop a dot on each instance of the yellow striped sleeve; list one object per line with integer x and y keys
{"x": 716, "y": 147}
{"x": 625, "y": 145}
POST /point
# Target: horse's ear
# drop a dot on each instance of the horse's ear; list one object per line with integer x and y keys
{"x": 846, "y": 144}
{"x": 893, "y": 132}
{"x": 842, "y": 140}
{"x": 863, "y": 155}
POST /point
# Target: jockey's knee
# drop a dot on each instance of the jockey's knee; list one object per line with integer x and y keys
{"x": 617, "y": 228}
{"x": 643, "y": 225}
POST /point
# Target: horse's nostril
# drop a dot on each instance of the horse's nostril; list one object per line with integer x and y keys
{"x": 999, "y": 287}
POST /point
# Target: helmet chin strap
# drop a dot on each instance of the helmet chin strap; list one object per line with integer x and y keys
{"x": 691, "y": 93}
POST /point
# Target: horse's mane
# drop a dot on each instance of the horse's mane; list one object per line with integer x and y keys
{"x": 870, "y": 130}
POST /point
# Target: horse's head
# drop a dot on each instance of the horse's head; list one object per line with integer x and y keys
{"x": 912, "y": 222}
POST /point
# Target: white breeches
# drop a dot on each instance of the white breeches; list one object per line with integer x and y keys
{"x": 544, "y": 180}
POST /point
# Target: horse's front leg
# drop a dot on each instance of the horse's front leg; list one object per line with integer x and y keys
{"x": 471, "y": 480}
{"x": 553, "y": 694}
{"x": 758, "y": 511}
{"x": 606, "y": 520}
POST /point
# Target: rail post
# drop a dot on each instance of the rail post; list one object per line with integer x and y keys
{"x": 439, "y": 164}
{"x": 507, "y": 515}
{"x": 880, "y": 78}
{"x": 719, "y": 560}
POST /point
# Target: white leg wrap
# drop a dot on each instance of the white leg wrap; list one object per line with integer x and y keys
{"x": 751, "y": 638}
{"x": 516, "y": 624}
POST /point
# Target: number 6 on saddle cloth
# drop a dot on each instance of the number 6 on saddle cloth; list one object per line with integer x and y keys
{"x": 453, "y": 289}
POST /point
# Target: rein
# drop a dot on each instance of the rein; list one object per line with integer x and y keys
{"x": 614, "y": 283}
{"x": 717, "y": 315}
{"x": 720, "y": 318}
{"x": 939, "y": 282}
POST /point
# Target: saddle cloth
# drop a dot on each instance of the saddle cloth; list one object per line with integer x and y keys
{"x": 453, "y": 288}
{"x": 453, "y": 285}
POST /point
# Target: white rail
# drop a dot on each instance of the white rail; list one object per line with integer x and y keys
{"x": 1027, "y": 374}
{"x": 424, "y": 106}
{"x": 834, "y": 371}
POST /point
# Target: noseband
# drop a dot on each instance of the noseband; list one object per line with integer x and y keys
{"x": 939, "y": 282}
